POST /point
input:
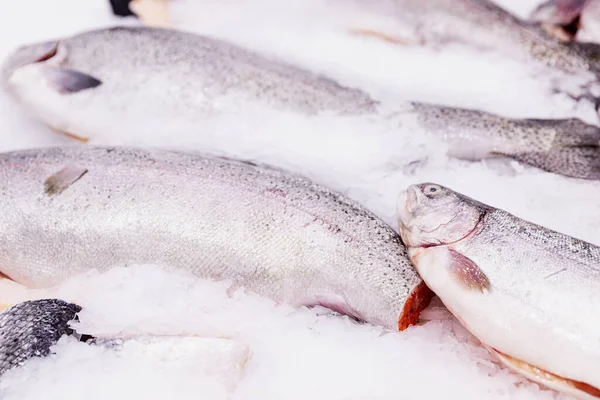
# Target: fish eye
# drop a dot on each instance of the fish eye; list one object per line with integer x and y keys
{"x": 431, "y": 190}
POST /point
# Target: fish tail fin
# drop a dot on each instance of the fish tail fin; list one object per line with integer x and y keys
{"x": 590, "y": 52}
{"x": 574, "y": 151}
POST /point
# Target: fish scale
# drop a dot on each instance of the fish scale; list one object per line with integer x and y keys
{"x": 29, "y": 329}
{"x": 273, "y": 233}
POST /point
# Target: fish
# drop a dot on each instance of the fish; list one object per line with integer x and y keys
{"x": 101, "y": 82}
{"x": 528, "y": 293}
{"x": 569, "y": 146}
{"x": 72, "y": 82}
{"x": 30, "y": 329}
{"x": 72, "y": 209}
{"x": 482, "y": 25}
{"x": 570, "y": 20}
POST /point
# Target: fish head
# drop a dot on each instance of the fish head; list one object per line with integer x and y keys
{"x": 430, "y": 215}
{"x": 50, "y": 84}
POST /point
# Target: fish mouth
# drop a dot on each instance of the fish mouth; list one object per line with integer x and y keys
{"x": 28, "y": 54}
{"x": 407, "y": 203}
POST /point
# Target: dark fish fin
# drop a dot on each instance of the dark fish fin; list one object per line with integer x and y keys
{"x": 64, "y": 178}
{"x": 31, "y": 328}
{"x": 565, "y": 385}
{"x": 467, "y": 273}
{"x": 574, "y": 152}
{"x": 591, "y": 52}
{"x": 582, "y": 162}
{"x": 66, "y": 81}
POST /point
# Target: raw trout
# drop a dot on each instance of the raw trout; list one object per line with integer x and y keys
{"x": 577, "y": 20}
{"x": 69, "y": 210}
{"x": 107, "y": 81}
{"x": 528, "y": 293}
{"x": 484, "y": 25}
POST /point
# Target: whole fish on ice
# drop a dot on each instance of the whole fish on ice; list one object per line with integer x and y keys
{"x": 481, "y": 24}
{"x": 577, "y": 20}
{"x": 69, "y": 210}
{"x": 164, "y": 82}
{"x": 528, "y": 293}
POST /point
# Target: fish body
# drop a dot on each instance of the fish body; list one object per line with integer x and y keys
{"x": 483, "y": 25}
{"x": 527, "y": 292}
{"x": 163, "y": 83}
{"x": 146, "y": 72}
{"x": 69, "y": 210}
{"x": 577, "y": 20}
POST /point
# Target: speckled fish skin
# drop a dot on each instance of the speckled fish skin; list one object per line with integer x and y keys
{"x": 216, "y": 77}
{"x": 31, "y": 328}
{"x": 152, "y": 71}
{"x": 522, "y": 289}
{"x": 273, "y": 233}
{"x": 483, "y": 24}
{"x": 568, "y": 147}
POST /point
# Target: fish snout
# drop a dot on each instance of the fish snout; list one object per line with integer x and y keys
{"x": 407, "y": 203}
{"x": 28, "y": 54}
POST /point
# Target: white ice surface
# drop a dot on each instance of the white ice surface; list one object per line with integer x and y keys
{"x": 301, "y": 353}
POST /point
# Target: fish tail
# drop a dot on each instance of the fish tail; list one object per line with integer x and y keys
{"x": 574, "y": 151}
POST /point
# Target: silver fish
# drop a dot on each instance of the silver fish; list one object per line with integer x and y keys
{"x": 484, "y": 25}
{"x": 528, "y": 293}
{"x": 570, "y": 20}
{"x": 72, "y": 209}
{"x": 31, "y": 328}
{"x": 107, "y": 81}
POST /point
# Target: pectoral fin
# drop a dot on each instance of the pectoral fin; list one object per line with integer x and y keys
{"x": 467, "y": 273}
{"x": 575, "y": 388}
{"x": 67, "y": 81}
{"x": 64, "y": 178}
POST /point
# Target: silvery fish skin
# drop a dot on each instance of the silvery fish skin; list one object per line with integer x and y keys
{"x": 150, "y": 71}
{"x": 72, "y": 209}
{"x": 577, "y": 20}
{"x": 569, "y": 147}
{"x": 527, "y": 292}
{"x": 485, "y": 25}
{"x": 31, "y": 328}
{"x": 112, "y": 80}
